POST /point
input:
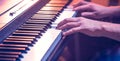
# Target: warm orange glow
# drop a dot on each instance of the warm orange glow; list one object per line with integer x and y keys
{"x": 18, "y": 8}
{"x": 74, "y": 1}
{"x": 102, "y": 2}
{"x": 6, "y": 4}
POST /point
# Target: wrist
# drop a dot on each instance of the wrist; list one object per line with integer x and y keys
{"x": 114, "y": 11}
{"x": 111, "y": 30}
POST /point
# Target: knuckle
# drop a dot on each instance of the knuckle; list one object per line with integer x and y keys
{"x": 67, "y": 19}
{"x": 79, "y": 23}
{"x": 90, "y": 5}
{"x": 73, "y": 30}
{"x": 81, "y": 19}
{"x": 68, "y": 24}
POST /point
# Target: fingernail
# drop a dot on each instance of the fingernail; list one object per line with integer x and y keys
{"x": 58, "y": 28}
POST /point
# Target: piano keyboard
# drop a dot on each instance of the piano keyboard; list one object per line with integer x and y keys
{"x": 36, "y": 39}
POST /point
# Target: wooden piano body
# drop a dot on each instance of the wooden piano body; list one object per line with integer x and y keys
{"x": 27, "y": 29}
{"x": 78, "y": 46}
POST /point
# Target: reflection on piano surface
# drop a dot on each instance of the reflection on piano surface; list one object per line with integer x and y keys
{"x": 7, "y": 5}
{"x": 27, "y": 29}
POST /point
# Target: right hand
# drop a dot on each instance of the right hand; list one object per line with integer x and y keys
{"x": 80, "y": 24}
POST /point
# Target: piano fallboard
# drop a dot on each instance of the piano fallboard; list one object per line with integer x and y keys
{"x": 9, "y": 24}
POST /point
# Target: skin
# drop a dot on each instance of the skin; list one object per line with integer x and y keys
{"x": 95, "y": 11}
{"x": 89, "y": 26}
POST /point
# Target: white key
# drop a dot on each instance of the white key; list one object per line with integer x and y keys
{"x": 67, "y": 13}
{"x": 43, "y": 45}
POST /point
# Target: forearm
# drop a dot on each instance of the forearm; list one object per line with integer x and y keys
{"x": 111, "y": 30}
{"x": 114, "y": 11}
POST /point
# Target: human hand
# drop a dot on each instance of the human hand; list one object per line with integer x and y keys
{"x": 80, "y": 24}
{"x": 92, "y": 10}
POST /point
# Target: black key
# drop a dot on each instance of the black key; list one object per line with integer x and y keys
{"x": 19, "y": 39}
{"x": 45, "y": 17}
{"x": 25, "y": 31}
{"x": 36, "y": 25}
{"x": 29, "y": 24}
{"x": 34, "y": 29}
{"x": 24, "y": 37}
{"x": 44, "y": 26}
{"x": 39, "y": 22}
{"x": 48, "y": 12}
{"x": 3, "y": 48}
{"x": 55, "y": 5}
{"x": 27, "y": 34}
{"x": 14, "y": 45}
{"x": 52, "y": 8}
{"x": 17, "y": 42}
{"x": 10, "y": 52}
{"x": 60, "y": 2}
{"x": 7, "y": 59}
{"x": 8, "y": 56}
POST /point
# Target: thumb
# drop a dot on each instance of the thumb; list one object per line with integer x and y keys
{"x": 88, "y": 14}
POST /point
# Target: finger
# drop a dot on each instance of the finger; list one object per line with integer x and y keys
{"x": 80, "y": 3}
{"x": 63, "y": 37}
{"x": 66, "y": 21}
{"x": 82, "y": 8}
{"x": 71, "y": 31}
{"x": 88, "y": 14}
{"x": 69, "y": 25}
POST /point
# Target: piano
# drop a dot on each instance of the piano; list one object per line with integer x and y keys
{"x": 27, "y": 29}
